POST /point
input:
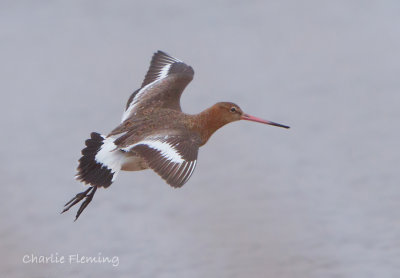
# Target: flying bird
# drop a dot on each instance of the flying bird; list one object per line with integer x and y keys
{"x": 154, "y": 132}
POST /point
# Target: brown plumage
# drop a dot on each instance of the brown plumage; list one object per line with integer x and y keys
{"x": 154, "y": 132}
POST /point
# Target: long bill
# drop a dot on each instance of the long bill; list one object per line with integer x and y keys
{"x": 248, "y": 117}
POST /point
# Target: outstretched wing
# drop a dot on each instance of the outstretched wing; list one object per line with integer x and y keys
{"x": 172, "y": 157}
{"x": 163, "y": 85}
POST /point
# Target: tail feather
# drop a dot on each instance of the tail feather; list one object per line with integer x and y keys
{"x": 98, "y": 167}
{"x": 100, "y": 162}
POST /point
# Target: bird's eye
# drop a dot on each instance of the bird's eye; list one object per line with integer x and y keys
{"x": 233, "y": 109}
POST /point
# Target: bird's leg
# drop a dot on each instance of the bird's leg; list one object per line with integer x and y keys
{"x": 85, "y": 203}
{"x": 76, "y": 199}
{"x": 88, "y": 194}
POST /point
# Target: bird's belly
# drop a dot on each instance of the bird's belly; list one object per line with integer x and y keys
{"x": 134, "y": 163}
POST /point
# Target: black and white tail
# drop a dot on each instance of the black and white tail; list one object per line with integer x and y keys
{"x": 99, "y": 165}
{"x": 100, "y": 162}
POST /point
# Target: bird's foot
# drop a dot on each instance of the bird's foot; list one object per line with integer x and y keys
{"x": 88, "y": 194}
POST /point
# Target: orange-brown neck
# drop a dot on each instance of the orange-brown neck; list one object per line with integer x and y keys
{"x": 207, "y": 122}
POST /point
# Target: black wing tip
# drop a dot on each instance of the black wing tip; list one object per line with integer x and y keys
{"x": 162, "y": 55}
{"x": 157, "y": 68}
{"x": 160, "y": 52}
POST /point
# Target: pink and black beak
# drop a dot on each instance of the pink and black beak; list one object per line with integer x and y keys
{"x": 248, "y": 117}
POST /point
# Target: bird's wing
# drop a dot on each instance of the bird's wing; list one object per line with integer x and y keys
{"x": 163, "y": 85}
{"x": 173, "y": 157}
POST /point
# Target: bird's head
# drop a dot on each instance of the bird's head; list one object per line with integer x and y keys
{"x": 229, "y": 112}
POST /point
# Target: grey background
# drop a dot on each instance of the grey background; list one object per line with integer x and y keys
{"x": 318, "y": 200}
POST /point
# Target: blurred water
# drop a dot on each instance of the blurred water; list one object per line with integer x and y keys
{"x": 318, "y": 200}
